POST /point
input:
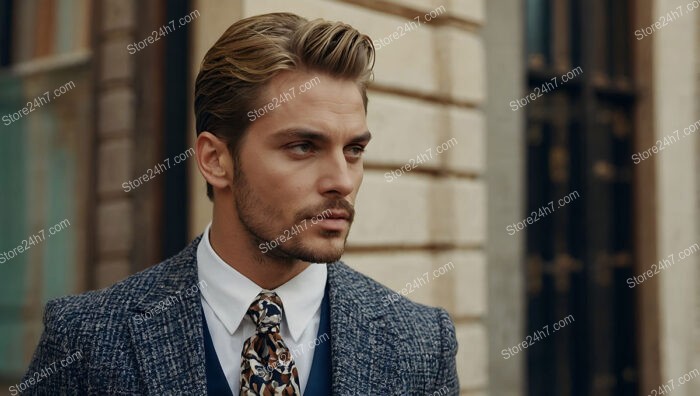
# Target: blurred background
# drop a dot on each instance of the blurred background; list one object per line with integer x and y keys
{"x": 550, "y": 161}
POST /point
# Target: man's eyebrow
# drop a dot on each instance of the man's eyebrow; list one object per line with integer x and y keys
{"x": 299, "y": 133}
{"x": 366, "y": 136}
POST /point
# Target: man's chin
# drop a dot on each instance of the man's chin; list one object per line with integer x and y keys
{"x": 322, "y": 252}
{"x": 319, "y": 256}
{"x": 323, "y": 247}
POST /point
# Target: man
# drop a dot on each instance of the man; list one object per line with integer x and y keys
{"x": 260, "y": 303}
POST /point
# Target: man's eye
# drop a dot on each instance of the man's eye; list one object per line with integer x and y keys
{"x": 301, "y": 148}
{"x": 357, "y": 150}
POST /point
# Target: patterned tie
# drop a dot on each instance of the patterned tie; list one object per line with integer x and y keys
{"x": 267, "y": 367}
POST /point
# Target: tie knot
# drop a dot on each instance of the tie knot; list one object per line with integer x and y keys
{"x": 266, "y": 312}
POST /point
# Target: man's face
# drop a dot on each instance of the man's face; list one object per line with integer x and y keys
{"x": 299, "y": 158}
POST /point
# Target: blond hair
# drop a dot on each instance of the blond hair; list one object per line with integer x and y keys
{"x": 252, "y": 51}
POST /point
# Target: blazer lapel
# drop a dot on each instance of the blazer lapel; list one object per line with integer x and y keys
{"x": 166, "y": 329}
{"x": 363, "y": 357}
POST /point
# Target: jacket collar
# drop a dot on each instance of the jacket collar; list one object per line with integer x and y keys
{"x": 166, "y": 331}
{"x": 364, "y": 357}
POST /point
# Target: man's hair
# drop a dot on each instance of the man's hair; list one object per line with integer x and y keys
{"x": 238, "y": 67}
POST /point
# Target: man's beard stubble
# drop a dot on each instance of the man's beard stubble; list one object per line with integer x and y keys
{"x": 256, "y": 218}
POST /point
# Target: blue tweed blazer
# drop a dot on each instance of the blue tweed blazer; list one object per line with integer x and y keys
{"x": 378, "y": 347}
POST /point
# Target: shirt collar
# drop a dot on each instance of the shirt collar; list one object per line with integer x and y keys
{"x": 229, "y": 293}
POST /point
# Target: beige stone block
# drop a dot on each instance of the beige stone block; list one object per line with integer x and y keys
{"x": 468, "y": 154}
{"x": 404, "y": 273}
{"x": 458, "y": 211}
{"x": 470, "y": 10}
{"x": 110, "y": 272}
{"x": 117, "y": 14}
{"x": 465, "y": 286}
{"x": 114, "y": 227}
{"x": 403, "y": 129}
{"x": 393, "y": 213}
{"x": 416, "y": 209}
{"x": 406, "y": 62}
{"x": 465, "y": 64}
{"x": 116, "y": 109}
{"x": 472, "y": 356}
{"x": 114, "y": 161}
{"x": 219, "y": 14}
{"x": 117, "y": 63}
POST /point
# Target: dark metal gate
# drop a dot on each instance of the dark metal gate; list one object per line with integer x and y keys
{"x": 579, "y": 249}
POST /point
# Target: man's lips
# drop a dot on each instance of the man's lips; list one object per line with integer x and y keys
{"x": 338, "y": 214}
{"x": 333, "y": 224}
{"x": 332, "y": 219}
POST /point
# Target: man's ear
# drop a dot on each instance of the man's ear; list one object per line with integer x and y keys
{"x": 214, "y": 160}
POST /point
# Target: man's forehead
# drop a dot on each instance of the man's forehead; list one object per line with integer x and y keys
{"x": 309, "y": 85}
{"x": 331, "y": 105}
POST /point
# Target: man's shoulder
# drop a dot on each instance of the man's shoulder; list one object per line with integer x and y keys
{"x": 418, "y": 335}
{"x": 387, "y": 302}
{"x": 119, "y": 298}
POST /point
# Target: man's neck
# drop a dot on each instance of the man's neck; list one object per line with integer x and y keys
{"x": 236, "y": 251}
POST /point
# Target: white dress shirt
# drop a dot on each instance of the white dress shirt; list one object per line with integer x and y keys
{"x": 226, "y": 296}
